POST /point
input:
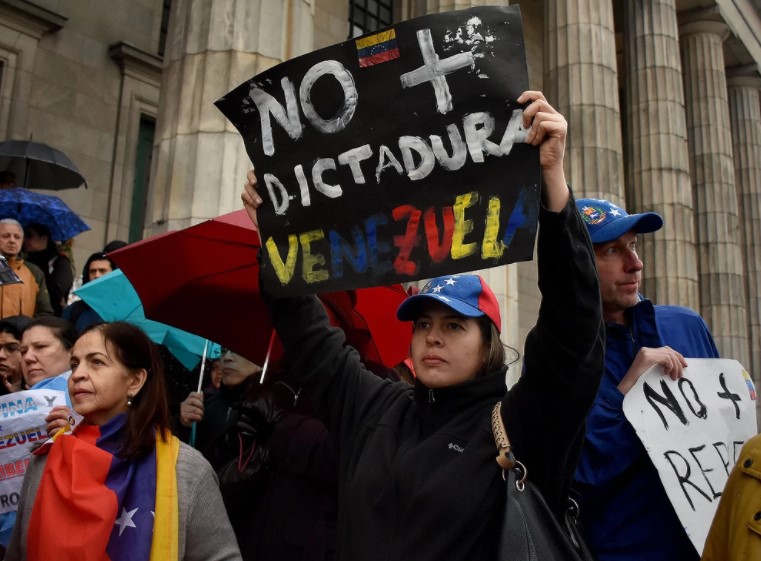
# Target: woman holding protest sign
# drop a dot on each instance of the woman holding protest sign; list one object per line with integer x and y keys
{"x": 120, "y": 482}
{"x": 418, "y": 479}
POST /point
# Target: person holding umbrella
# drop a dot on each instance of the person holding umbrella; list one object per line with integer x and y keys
{"x": 7, "y": 179}
{"x": 211, "y": 413}
{"x": 41, "y": 250}
{"x": 418, "y": 479}
{"x": 30, "y": 298}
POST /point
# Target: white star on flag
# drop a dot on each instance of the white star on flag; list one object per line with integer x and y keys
{"x": 125, "y": 520}
{"x": 437, "y": 288}
{"x": 615, "y": 212}
{"x": 450, "y": 281}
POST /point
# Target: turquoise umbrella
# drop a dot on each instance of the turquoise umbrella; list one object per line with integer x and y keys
{"x": 114, "y": 298}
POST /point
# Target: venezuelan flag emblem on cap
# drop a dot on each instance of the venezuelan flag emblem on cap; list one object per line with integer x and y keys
{"x": 378, "y": 48}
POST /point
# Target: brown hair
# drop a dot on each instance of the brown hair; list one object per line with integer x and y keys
{"x": 495, "y": 356}
{"x": 149, "y": 413}
{"x": 61, "y": 329}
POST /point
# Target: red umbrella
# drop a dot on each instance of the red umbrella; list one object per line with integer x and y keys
{"x": 205, "y": 279}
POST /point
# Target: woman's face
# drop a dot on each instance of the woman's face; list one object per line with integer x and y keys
{"x": 99, "y": 383}
{"x": 447, "y": 348}
{"x": 235, "y": 368}
{"x": 43, "y": 355}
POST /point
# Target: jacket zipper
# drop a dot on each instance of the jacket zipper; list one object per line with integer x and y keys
{"x": 431, "y": 397}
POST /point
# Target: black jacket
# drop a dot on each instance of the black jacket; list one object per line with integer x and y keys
{"x": 59, "y": 275}
{"x": 211, "y": 431}
{"x": 418, "y": 478}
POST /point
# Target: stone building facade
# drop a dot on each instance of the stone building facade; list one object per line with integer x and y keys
{"x": 661, "y": 96}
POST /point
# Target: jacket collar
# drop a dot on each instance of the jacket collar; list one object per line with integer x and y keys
{"x": 231, "y": 394}
{"x": 15, "y": 262}
{"x": 438, "y": 406}
{"x": 642, "y": 326}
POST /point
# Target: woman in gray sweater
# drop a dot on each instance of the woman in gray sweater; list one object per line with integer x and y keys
{"x": 120, "y": 485}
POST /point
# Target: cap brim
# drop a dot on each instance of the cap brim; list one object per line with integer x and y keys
{"x": 410, "y": 308}
{"x": 642, "y": 223}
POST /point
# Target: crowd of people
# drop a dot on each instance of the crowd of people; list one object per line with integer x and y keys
{"x": 330, "y": 458}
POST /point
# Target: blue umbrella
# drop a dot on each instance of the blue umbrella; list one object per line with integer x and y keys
{"x": 30, "y": 206}
{"x": 113, "y": 297}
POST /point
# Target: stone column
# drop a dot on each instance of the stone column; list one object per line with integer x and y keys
{"x": 745, "y": 114}
{"x": 581, "y": 82}
{"x": 199, "y": 162}
{"x": 657, "y": 163}
{"x": 722, "y": 293}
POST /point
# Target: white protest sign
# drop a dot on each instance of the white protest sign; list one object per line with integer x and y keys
{"x": 693, "y": 429}
{"x": 22, "y": 425}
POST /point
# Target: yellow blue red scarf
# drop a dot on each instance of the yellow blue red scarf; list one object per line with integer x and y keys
{"x": 92, "y": 505}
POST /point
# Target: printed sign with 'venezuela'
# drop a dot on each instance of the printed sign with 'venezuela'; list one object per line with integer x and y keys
{"x": 395, "y": 156}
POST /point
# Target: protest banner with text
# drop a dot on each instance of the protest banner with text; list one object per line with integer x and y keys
{"x": 693, "y": 429}
{"x": 22, "y": 426}
{"x": 395, "y": 156}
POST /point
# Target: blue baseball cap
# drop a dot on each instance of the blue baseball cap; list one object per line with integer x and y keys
{"x": 468, "y": 295}
{"x": 606, "y": 221}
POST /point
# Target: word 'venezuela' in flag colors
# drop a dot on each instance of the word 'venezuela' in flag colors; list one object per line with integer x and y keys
{"x": 92, "y": 504}
{"x": 440, "y": 181}
{"x": 377, "y": 48}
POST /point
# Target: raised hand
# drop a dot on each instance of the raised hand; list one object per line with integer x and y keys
{"x": 547, "y": 129}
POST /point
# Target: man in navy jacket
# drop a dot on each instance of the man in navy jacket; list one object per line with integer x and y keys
{"x": 625, "y": 510}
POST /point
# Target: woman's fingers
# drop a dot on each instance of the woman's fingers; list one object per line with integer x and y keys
{"x": 249, "y": 189}
{"x": 250, "y": 197}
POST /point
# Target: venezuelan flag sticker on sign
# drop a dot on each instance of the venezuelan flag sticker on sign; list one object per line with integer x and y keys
{"x": 749, "y": 383}
{"x": 377, "y": 48}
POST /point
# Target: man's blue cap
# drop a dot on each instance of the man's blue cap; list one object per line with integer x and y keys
{"x": 607, "y": 222}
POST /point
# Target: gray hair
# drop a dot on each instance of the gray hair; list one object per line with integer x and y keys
{"x": 12, "y": 221}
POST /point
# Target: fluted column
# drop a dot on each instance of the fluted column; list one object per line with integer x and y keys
{"x": 581, "y": 82}
{"x": 199, "y": 161}
{"x": 657, "y": 163}
{"x": 745, "y": 119}
{"x": 722, "y": 293}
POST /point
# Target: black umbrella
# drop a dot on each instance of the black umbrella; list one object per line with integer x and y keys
{"x": 39, "y": 166}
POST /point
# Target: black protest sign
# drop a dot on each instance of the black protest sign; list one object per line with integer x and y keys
{"x": 395, "y": 156}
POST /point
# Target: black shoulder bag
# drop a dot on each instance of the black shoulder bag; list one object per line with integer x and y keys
{"x": 529, "y": 531}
